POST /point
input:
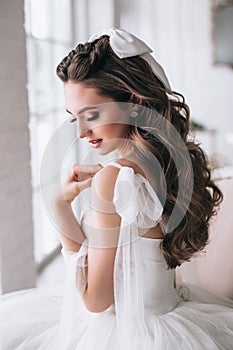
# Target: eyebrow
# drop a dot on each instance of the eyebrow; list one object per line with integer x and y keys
{"x": 83, "y": 109}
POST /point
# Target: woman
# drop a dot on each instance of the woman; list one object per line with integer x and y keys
{"x": 150, "y": 211}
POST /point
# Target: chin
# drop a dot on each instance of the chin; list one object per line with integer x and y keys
{"x": 105, "y": 150}
{"x": 107, "y": 147}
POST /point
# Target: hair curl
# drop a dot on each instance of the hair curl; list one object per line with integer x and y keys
{"x": 96, "y": 65}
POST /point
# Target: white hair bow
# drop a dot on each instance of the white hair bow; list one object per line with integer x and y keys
{"x": 125, "y": 44}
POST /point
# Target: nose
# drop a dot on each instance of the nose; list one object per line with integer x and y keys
{"x": 83, "y": 132}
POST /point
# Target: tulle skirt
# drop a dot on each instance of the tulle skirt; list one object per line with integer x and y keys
{"x": 30, "y": 320}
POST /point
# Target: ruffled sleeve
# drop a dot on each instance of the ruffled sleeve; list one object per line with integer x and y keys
{"x": 135, "y": 199}
{"x": 138, "y": 206}
{"x": 77, "y": 260}
{"x": 73, "y": 307}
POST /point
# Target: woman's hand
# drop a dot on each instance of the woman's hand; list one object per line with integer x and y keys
{"x": 78, "y": 178}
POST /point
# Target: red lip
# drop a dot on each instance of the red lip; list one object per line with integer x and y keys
{"x": 95, "y": 140}
{"x": 96, "y": 144}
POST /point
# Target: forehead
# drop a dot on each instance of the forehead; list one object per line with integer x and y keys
{"x": 79, "y": 96}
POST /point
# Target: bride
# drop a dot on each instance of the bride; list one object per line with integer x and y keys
{"x": 150, "y": 211}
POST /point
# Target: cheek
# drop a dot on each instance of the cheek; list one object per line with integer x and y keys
{"x": 114, "y": 130}
{"x": 123, "y": 129}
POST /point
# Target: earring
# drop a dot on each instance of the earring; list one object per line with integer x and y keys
{"x": 133, "y": 114}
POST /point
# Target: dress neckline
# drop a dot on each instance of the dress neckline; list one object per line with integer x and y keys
{"x": 152, "y": 239}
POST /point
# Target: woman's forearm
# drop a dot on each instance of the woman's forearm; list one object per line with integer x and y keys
{"x": 71, "y": 234}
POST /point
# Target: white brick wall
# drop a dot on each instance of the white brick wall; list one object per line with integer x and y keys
{"x": 17, "y": 266}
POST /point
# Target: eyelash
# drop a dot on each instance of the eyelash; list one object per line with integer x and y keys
{"x": 72, "y": 120}
{"x": 95, "y": 116}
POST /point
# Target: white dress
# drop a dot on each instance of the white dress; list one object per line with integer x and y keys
{"x": 150, "y": 310}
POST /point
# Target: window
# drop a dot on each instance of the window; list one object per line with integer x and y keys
{"x": 49, "y": 35}
{"x": 52, "y": 29}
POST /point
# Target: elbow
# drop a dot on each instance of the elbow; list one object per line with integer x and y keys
{"x": 96, "y": 308}
{"x": 96, "y": 305}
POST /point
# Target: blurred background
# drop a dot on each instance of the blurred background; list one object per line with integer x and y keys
{"x": 192, "y": 39}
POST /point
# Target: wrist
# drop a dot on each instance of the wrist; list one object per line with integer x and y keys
{"x": 60, "y": 199}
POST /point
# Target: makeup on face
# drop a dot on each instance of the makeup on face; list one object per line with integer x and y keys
{"x": 100, "y": 119}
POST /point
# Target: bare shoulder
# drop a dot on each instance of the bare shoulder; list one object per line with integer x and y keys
{"x": 104, "y": 214}
{"x": 104, "y": 181}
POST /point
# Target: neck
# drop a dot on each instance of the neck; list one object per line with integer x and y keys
{"x": 126, "y": 150}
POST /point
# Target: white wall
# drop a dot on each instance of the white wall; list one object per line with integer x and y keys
{"x": 17, "y": 268}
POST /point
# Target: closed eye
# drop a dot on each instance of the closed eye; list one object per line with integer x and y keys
{"x": 93, "y": 117}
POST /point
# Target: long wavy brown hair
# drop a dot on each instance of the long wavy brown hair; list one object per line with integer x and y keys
{"x": 95, "y": 65}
